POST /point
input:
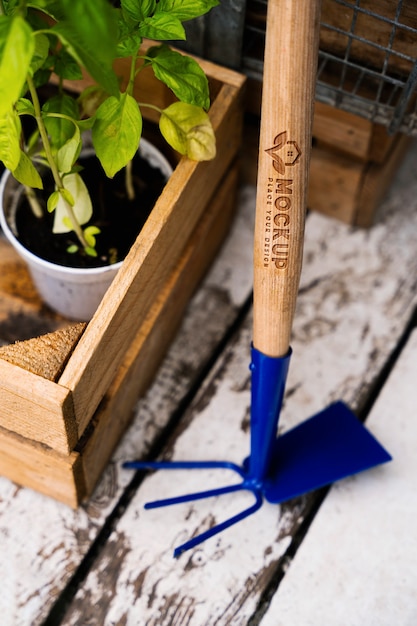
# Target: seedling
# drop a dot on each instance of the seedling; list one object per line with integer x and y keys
{"x": 63, "y": 39}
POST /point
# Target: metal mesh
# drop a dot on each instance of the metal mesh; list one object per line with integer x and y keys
{"x": 367, "y": 58}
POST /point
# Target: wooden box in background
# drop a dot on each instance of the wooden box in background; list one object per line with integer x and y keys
{"x": 367, "y": 56}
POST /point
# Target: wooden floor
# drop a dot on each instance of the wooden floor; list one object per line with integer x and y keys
{"x": 346, "y": 556}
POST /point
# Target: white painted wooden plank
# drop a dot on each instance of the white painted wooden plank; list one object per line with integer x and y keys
{"x": 358, "y": 563}
{"x": 43, "y": 542}
{"x": 354, "y": 304}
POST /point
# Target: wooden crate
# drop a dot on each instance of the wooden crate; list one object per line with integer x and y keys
{"x": 57, "y": 435}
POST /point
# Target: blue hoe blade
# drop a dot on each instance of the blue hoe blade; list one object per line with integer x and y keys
{"x": 331, "y": 445}
{"x": 325, "y": 448}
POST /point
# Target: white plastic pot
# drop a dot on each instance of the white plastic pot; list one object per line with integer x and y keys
{"x": 72, "y": 292}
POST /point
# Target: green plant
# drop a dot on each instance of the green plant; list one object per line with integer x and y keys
{"x": 39, "y": 38}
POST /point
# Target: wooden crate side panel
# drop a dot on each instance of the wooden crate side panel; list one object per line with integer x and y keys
{"x": 334, "y": 184}
{"x": 150, "y": 344}
{"x": 343, "y": 131}
{"x": 41, "y": 469}
{"x": 350, "y": 134}
{"x": 351, "y": 190}
{"x": 36, "y": 408}
{"x": 376, "y": 181}
{"x": 149, "y": 263}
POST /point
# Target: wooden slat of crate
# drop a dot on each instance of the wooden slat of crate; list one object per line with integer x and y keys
{"x": 377, "y": 180}
{"x": 70, "y": 478}
{"x": 350, "y": 134}
{"x": 351, "y": 190}
{"x": 125, "y": 305}
{"x": 33, "y": 465}
{"x": 36, "y": 408}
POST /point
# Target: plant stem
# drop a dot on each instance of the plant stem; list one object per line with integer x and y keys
{"x": 150, "y": 106}
{"x": 33, "y": 202}
{"x": 130, "y": 190}
{"x": 131, "y": 83}
{"x": 51, "y": 162}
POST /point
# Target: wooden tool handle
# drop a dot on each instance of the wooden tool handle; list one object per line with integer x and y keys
{"x": 290, "y": 65}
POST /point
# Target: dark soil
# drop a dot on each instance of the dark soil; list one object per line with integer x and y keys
{"x": 119, "y": 219}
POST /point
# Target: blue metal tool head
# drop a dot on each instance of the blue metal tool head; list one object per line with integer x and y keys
{"x": 329, "y": 446}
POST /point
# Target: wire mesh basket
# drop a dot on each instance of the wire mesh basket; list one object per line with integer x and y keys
{"x": 367, "y": 58}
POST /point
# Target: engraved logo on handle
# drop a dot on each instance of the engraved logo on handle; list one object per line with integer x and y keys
{"x": 284, "y": 152}
{"x": 279, "y": 200}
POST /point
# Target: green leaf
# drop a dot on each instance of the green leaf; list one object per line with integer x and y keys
{"x": 66, "y": 66}
{"x": 186, "y": 9}
{"x": 41, "y": 77}
{"x": 60, "y": 130}
{"x": 52, "y": 201}
{"x": 69, "y": 152}
{"x": 96, "y": 65}
{"x": 67, "y": 196}
{"x": 162, "y": 27}
{"x": 16, "y": 50}
{"x": 181, "y": 74}
{"x": 137, "y": 10}
{"x": 95, "y": 24}
{"x": 89, "y": 233}
{"x": 90, "y": 251}
{"x": 92, "y": 230}
{"x": 40, "y": 53}
{"x": 188, "y": 130}
{"x": 26, "y": 173}
{"x": 24, "y": 107}
{"x": 10, "y": 130}
{"x": 12, "y": 6}
{"x": 76, "y": 194}
{"x": 86, "y": 124}
{"x": 129, "y": 40}
{"x": 72, "y": 249}
{"x": 116, "y": 132}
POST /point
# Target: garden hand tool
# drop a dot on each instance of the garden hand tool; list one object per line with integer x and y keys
{"x": 332, "y": 444}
